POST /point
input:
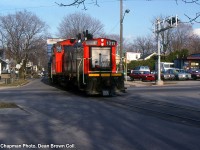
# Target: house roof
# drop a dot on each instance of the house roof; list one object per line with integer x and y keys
{"x": 194, "y": 56}
{"x": 3, "y": 61}
{"x": 147, "y": 56}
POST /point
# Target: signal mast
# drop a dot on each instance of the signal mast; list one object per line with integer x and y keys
{"x": 161, "y": 26}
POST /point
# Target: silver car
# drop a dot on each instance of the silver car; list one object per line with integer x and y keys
{"x": 180, "y": 74}
{"x": 167, "y": 76}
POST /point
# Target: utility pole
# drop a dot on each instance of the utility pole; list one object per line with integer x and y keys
{"x": 121, "y": 33}
{"x": 121, "y": 36}
{"x": 159, "y": 81}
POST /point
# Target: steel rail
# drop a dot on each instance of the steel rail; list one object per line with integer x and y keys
{"x": 161, "y": 113}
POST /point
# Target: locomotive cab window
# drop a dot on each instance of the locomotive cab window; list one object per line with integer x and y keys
{"x": 59, "y": 49}
{"x": 100, "y": 58}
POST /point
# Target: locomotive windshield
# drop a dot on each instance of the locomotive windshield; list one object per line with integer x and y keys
{"x": 100, "y": 57}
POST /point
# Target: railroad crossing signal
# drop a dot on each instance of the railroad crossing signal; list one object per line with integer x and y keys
{"x": 173, "y": 21}
{"x": 167, "y": 23}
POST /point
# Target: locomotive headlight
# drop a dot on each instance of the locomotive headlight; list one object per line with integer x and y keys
{"x": 91, "y": 42}
{"x": 102, "y": 42}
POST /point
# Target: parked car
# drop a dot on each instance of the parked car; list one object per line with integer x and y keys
{"x": 142, "y": 75}
{"x": 195, "y": 74}
{"x": 179, "y": 74}
{"x": 166, "y": 76}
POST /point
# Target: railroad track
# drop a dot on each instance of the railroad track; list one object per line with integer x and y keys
{"x": 168, "y": 111}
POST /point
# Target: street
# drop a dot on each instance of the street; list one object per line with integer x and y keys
{"x": 52, "y": 118}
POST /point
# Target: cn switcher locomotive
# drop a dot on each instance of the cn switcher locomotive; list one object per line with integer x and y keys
{"x": 89, "y": 65}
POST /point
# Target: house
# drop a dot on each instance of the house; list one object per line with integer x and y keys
{"x": 132, "y": 56}
{"x": 3, "y": 66}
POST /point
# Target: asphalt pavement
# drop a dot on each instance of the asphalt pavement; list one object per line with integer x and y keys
{"x": 128, "y": 83}
{"x": 49, "y": 118}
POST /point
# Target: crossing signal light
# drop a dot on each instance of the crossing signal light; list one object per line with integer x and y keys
{"x": 173, "y": 21}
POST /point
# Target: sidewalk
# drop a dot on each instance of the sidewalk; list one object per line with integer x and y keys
{"x": 129, "y": 83}
{"x": 137, "y": 83}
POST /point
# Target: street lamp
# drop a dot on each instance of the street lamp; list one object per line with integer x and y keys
{"x": 122, "y": 15}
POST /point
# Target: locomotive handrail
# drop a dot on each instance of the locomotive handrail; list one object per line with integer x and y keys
{"x": 78, "y": 71}
{"x": 83, "y": 70}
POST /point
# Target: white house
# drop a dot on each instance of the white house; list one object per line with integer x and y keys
{"x": 132, "y": 56}
{"x": 3, "y": 66}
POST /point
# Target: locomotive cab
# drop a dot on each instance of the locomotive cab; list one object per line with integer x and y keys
{"x": 100, "y": 71}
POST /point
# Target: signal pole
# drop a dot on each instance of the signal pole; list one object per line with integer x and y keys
{"x": 161, "y": 26}
{"x": 159, "y": 81}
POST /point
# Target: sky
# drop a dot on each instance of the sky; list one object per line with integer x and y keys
{"x": 137, "y": 23}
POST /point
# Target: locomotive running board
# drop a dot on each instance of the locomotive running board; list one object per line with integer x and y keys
{"x": 105, "y": 74}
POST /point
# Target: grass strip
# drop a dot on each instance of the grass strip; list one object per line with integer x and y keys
{"x": 7, "y": 105}
{"x": 15, "y": 83}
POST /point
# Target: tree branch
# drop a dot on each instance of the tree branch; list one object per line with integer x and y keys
{"x": 75, "y": 3}
{"x": 191, "y": 1}
{"x": 191, "y": 20}
{"x": 194, "y": 19}
{"x": 78, "y": 3}
{"x": 72, "y": 4}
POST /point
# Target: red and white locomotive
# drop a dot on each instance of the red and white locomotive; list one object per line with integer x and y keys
{"x": 89, "y": 65}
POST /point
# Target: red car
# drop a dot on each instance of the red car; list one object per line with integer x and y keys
{"x": 142, "y": 75}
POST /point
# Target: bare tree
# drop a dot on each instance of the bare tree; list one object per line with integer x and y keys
{"x": 194, "y": 44}
{"x": 181, "y": 37}
{"x": 145, "y": 45}
{"x": 22, "y": 34}
{"x": 127, "y": 47}
{"x": 76, "y": 23}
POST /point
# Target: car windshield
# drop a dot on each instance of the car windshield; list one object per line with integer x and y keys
{"x": 173, "y": 71}
{"x": 165, "y": 72}
{"x": 196, "y": 71}
{"x": 142, "y": 68}
{"x": 181, "y": 71}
